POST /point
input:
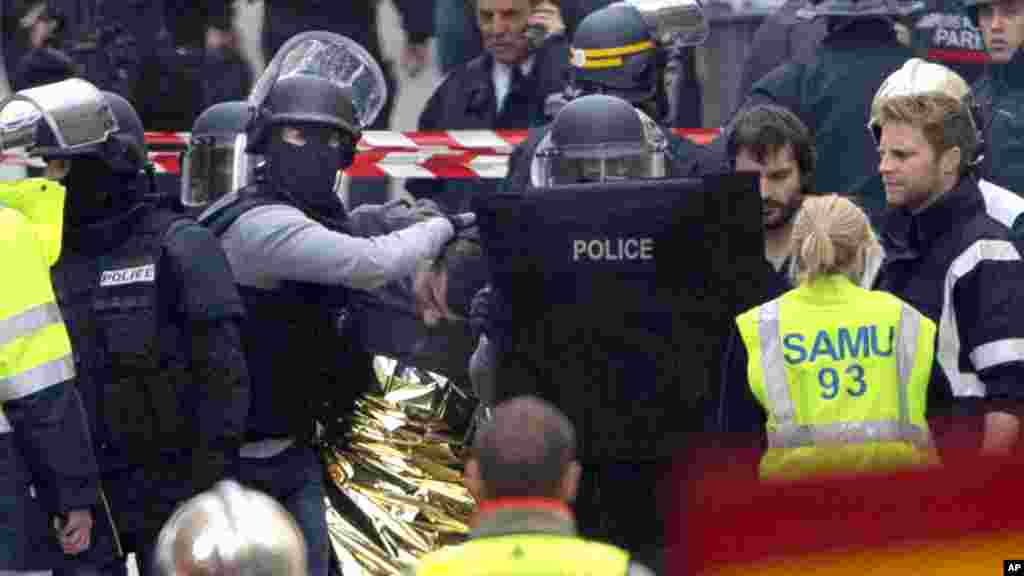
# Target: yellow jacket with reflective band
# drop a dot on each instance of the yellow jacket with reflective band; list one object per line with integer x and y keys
{"x": 35, "y": 351}
{"x": 526, "y": 555}
{"x": 842, "y": 373}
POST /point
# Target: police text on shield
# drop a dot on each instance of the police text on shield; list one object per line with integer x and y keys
{"x": 607, "y": 249}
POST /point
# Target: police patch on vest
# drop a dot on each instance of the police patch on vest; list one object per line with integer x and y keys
{"x": 138, "y": 274}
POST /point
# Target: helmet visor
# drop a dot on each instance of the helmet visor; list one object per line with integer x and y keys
{"x": 207, "y": 170}
{"x": 600, "y": 163}
{"x": 334, "y": 58}
{"x": 62, "y": 117}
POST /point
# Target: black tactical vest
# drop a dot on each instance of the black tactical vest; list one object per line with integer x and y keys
{"x": 129, "y": 348}
{"x": 306, "y": 364}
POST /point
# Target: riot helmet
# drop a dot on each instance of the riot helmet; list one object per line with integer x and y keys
{"x": 100, "y": 133}
{"x": 230, "y": 530}
{"x": 215, "y": 162}
{"x": 309, "y": 109}
{"x": 599, "y": 138}
{"x": 618, "y": 49}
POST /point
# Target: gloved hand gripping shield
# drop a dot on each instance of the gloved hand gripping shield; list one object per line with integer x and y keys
{"x": 333, "y": 60}
{"x": 66, "y": 118}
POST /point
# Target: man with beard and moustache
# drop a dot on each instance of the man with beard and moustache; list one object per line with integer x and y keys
{"x": 774, "y": 143}
{"x": 153, "y": 316}
{"x": 860, "y": 48}
{"x": 295, "y": 265}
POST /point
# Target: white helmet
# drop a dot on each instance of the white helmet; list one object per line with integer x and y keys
{"x": 917, "y": 76}
{"x": 231, "y": 530}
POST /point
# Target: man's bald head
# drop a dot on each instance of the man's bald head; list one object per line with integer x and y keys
{"x": 525, "y": 450}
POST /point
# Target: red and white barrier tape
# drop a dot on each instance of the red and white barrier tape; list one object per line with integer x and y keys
{"x": 452, "y": 154}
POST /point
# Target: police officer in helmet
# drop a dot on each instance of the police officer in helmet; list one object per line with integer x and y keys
{"x": 153, "y": 317}
{"x": 620, "y": 50}
{"x": 231, "y": 530}
{"x": 215, "y": 162}
{"x": 599, "y": 138}
{"x": 295, "y": 264}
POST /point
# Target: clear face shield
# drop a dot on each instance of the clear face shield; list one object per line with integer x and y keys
{"x": 56, "y": 119}
{"x": 674, "y": 23}
{"x": 214, "y": 165}
{"x": 585, "y": 164}
{"x": 334, "y": 58}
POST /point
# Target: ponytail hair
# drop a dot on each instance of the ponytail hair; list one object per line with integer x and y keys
{"x": 832, "y": 235}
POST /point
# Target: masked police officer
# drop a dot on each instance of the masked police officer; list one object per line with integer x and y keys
{"x": 638, "y": 35}
{"x": 153, "y": 316}
{"x": 295, "y": 264}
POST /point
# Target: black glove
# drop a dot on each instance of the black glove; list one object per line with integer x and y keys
{"x": 462, "y": 221}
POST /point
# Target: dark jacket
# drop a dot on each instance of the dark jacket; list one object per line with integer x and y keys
{"x": 831, "y": 94}
{"x": 465, "y": 100}
{"x": 781, "y": 39}
{"x": 960, "y": 268}
{"x": 1000, "y": 94}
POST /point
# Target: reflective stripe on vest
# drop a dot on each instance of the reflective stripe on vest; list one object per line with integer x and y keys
{"x": 780, "y": 402}
{"x": 5, "y": 424}
{"x": 35, "y": 379}
{"x": 29, "y": 321}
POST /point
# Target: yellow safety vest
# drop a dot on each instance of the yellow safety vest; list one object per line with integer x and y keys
{"x": 842, "y": 373}
{"x": 35, "y": 351}
{"x": 526, "y": 554}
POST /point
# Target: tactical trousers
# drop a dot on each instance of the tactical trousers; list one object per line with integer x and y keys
{"x": 618, "y": 503}
{"x": 295, "y": 479}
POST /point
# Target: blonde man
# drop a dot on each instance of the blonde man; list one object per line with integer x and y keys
{"x": 951, "y": 260}
{"x": 917, "y": 76}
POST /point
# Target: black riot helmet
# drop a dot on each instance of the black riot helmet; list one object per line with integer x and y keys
{"x": 309, "y": 107}
{"x": 599, "y": 138}
{"x": 622, "y": 49}
{"x": 302, "y": 99}
{"x": 215, "y": 162}
{"x": 613, "y": 52}
{"x": 123, "y": 151}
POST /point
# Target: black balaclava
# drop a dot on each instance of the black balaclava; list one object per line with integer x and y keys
{"x": 95, "y": 193}
{"x": 306, "y": 174}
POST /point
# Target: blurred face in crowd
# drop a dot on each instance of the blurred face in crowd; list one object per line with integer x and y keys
{"x": 910, "y": 168}
{"x": 502, "y": 26}
{"x": 1002, "y": 23}
{"x": 781, "y": 190}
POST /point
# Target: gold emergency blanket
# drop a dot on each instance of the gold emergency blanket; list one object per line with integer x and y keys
{"x": 402, "y": 472}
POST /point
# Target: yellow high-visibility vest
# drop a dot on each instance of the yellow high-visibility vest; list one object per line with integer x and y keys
{"x": 842, "y": 373}
{"x": 526, "y": 554}
{"x": 35, "y": 351}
